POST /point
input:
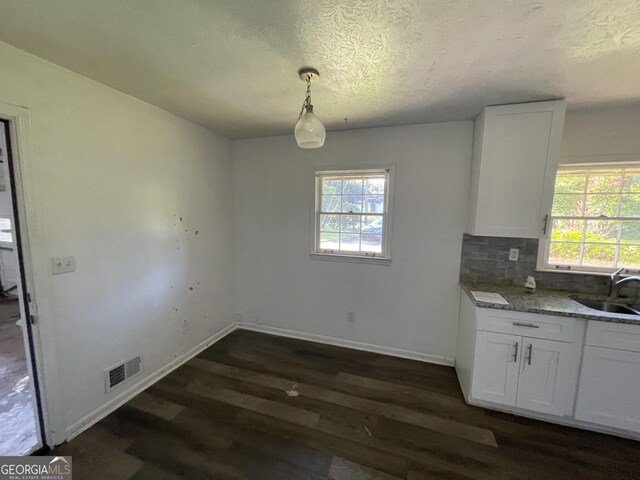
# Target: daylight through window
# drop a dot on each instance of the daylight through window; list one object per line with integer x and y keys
{"x": 351, "y": 212}
{"x": 595, "y": 220}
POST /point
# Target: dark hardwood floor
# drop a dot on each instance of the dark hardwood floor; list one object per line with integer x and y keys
{"x": 348, "y": 415}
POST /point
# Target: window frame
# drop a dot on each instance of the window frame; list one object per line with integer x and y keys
{"x": 384, "y": 257}
{"x": 543, "y": 264}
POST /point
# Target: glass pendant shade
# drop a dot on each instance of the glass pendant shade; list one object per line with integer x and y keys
{"x": 309, "y": 131}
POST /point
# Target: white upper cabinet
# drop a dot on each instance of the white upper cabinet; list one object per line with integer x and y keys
{"x": 515, "y": 158}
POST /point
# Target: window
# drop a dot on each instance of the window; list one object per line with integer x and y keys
{"x": 595, "y": 220}
{"x": 352, "y": 213}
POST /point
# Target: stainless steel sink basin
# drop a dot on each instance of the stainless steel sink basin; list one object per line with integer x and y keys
{"x": 604, "y": 306}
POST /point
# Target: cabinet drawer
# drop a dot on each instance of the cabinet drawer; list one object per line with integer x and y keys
{"x": 533, "y": 325}
{"x": 620, "y": 336}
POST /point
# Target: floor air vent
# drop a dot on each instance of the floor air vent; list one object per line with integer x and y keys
{"x": 120, "y": 373}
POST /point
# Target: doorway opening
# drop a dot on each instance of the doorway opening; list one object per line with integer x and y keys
{"x": 20, "y": 410}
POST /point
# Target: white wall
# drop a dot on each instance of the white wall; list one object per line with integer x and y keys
{"x": 107, "y": 179}
{"x": 412, "y": 304}
{"x": 602, "y": 134}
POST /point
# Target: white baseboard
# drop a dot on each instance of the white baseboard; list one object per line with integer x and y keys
{"x": 341, "y": 342}
{"x": 98, "y": 414}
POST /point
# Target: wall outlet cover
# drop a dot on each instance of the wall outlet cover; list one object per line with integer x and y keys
{"x": 63, "y": 265}
{"x": 514, "y": 253}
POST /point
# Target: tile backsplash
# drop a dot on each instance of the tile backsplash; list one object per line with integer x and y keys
{"x": 486, "y": 259}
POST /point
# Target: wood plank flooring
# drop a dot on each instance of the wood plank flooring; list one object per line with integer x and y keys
{"x": 354, "y": 415}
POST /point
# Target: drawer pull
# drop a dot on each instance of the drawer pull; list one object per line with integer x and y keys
{"x": 528, "y": 325}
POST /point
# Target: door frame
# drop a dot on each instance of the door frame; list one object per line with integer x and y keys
{"x": 18, "y": 160}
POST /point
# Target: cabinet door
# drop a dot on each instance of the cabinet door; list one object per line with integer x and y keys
{"x": 515, "y": 165}
{"x": 544, "y": 376}
{"x": 609, "y": 392}
{"x": 495, "y": 369}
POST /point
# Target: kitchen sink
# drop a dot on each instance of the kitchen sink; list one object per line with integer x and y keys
{"x": 610, "y": 307}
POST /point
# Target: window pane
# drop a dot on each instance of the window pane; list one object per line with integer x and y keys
{"x": 564, "y": 253}
{"x": 604, "y": 231}
{"x": 571, "y": 183}
{"x": 599, "y": 255}
{"x": 631, "y": 181}
{"x": 352, "y": 185}
{"x": 568, "y": 205}
{"x": 329, "y": 241}
{"x": 606, "y": 181}
{"x": 374, "y": 203}
{"x": 629, "y": 257}
{"x": 372, "y": 243}
{"x": 350, "y": 242}
{"x": 567, "y": 230}
{"x": 331, "y": 186}
{"x": 597, "y": 205}
{"x": 374, "y": 186}
{"x": 6, "y": 234}
{"x": 329, "y": 223}
{"x": 630, "y": 232}
{"x": 350, "y": 223}
{"x": 630, "y": 205}
{"x": 372, "y": 225}
{"x": 331, "y": 203}
{"x": 352, "y": 203}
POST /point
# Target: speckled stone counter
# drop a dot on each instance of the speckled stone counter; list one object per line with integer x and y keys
{"x": 548, "y": 302}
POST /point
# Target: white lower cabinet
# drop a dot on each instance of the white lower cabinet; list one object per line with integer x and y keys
{"x": 495, "y": 372}
{"x": 569, "y": 370}
{"x": 544, "y": 375}
{"x": 609, "y": 392}
{"x": 523, "y": 372}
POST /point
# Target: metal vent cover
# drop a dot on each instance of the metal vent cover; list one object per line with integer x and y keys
{"x": 122, "y": 372}
{"x": 117, "y": 375}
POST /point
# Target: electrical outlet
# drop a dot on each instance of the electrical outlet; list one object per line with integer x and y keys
{"x": 351, "y": 317}
{"x": 514, "y": 253}
{"x": 63, "y": 265}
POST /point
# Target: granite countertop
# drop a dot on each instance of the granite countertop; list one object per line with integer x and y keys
{"x": 548, "y": 302}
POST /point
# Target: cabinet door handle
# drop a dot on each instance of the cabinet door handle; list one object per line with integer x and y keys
{"x": 529, "y": 354}
{"x": 515, "y": 354}
{"x": 528, "y": 325}
{"x": 545, "y": 220}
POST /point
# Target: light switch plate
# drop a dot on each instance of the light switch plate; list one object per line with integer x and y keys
{"x": 63, "y": 265}
{"x": 514, "y": 253}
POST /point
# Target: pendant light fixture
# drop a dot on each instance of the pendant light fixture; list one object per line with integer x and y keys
{"x": 309, "y": 131}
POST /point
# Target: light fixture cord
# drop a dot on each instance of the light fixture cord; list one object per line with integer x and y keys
{"x": 307, "y": 98}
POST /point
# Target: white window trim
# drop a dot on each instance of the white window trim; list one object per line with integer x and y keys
{"x": 542, "y": 261}
{"x": 383, "y": 258}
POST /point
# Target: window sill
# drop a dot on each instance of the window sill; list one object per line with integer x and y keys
{"x": 571, "y": 272}
{"x": 579, "y": 272}
{"x": 333, "y": 257}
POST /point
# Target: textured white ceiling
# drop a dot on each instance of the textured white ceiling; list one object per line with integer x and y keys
{"x": 232, "y": 65}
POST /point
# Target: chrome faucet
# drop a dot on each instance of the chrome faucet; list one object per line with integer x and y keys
{"x": 617, "y": 282}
